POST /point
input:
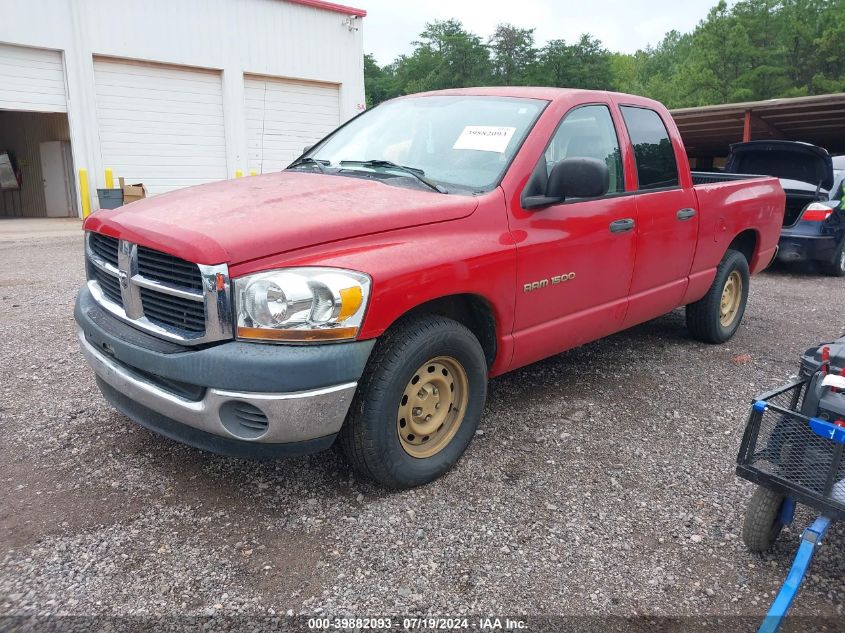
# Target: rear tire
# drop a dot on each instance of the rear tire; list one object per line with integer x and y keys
{"x": 835, "y": 267}
{"x": 418, "y": 403}
{"x": 762, "y": 525}
{"x": 715, "y": 318}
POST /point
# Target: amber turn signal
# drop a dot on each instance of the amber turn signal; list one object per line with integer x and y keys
{"x": 350, "y": 301}
{"x": 266, "y": 334}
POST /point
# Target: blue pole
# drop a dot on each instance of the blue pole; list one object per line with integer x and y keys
{"x": 810, "y": 540}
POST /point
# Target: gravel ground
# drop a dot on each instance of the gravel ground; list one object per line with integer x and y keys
{"x": 601, "y": 483}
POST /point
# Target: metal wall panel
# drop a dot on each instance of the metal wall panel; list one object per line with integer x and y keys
{"x": 283, "y": 116}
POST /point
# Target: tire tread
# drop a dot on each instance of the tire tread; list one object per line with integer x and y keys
{"x": 760, "y": 517}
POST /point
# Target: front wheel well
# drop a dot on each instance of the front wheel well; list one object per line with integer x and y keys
{"x": 745, "y": 243}
{"x": 472, "y": 311}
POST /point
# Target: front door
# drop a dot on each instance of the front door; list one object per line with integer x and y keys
{"x": 574, "y": 259}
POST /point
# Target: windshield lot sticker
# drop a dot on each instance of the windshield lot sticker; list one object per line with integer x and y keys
{"x": 485, "y": 138}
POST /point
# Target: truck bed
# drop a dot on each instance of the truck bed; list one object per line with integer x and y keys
{"x": 728, "y": 205}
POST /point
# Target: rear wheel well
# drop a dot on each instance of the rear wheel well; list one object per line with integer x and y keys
{"x": 745, "y": 243}
{"x": 472, "y": 311}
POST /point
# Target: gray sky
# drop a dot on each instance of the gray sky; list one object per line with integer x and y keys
{"x": 625, "y": 26}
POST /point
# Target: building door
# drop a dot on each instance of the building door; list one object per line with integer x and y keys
{"x": 160, "y": 125}
{"x": 33, "y": 110}
{"x": 283, "y": 116}
{"x": 31, "y": 79}
{"x": 57, "y": 176}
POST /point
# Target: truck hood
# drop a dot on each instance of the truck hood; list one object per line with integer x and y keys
{"x": 790, "y": 160}
{"x": 239, "y": 220}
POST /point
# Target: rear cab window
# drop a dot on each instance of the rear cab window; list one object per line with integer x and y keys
{"x": 654, "y": 153}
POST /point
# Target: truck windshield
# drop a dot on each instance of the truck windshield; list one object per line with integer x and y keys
{"x": 457, "y": 143}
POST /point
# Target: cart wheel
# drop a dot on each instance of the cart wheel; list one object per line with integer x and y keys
{"x": 762, "y": 526}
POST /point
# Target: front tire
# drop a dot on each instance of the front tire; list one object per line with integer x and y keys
{"x": 418, "y": 404}
{"x": 715, "y": 318}
{"x": 836, "y": 266}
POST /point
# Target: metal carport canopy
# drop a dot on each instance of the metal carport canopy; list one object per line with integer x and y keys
{"x": 708, "y": 131}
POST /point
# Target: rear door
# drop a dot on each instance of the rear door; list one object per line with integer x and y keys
{"x": 667, "y": 218}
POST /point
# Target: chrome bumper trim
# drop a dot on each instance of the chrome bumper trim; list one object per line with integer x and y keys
{"x": 292, "y": 417}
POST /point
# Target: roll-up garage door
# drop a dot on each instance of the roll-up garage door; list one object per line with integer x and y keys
{"x": 160, "y": 125}
{"x": 283, "y": 116}
{"x": 31, "y": 79}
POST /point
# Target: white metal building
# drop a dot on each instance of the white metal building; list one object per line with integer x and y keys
{"x": 168, "y": 93}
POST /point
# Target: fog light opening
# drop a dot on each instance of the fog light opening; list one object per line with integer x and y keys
{"x": 244, "y": 420}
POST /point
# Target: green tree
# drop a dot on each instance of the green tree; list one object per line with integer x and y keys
{"x": 830, "y": 52}
{"x": 754, "y": 49}
{"x": 626, "y": 72}
{"x": 585, "y": 64}
{"x": 378, "y": 82}
{"x": 451, "y": 56}
{"x": 513, "y": 54}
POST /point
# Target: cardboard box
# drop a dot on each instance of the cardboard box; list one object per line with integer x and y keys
{"x": 131, "y": 193}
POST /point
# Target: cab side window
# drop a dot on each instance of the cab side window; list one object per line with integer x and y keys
{"x": 653, "y": 150}
{"x": 588, "y": 132}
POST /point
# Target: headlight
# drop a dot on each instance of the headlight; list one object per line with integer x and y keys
{"x": 301, "y": 304}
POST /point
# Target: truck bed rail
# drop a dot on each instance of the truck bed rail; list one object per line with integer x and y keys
{"x": 711, "y": 177}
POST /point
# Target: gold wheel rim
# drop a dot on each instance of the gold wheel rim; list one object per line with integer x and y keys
{"x": 432, "y": 407}
{"x": 731, "y": 299}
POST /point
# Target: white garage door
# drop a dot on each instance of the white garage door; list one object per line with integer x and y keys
{"x": 160, "y": 125}
{"x": 283, "y": 116}
{"x": 31, "y": 79}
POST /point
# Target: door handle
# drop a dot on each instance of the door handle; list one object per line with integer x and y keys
{"x": 621, "y": 226}
{"x": 685, "y": 214}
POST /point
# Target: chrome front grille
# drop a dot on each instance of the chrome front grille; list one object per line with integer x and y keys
{"x": 108, "y": 284}
{"x": 104, "y": 247}
{"x": 159, "y": 293}
{"x": 168, "y": 269}
{"x": 173, "y": 311}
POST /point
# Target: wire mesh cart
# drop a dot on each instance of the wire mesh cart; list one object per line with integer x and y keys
{"x": 793, "y": 449}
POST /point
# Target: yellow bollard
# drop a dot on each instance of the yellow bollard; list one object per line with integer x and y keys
{"x": 83, "y": 193}
{"x": 238, "y": 173}
{"x": 109, "y": 178}
{"x": 252, "y": 172}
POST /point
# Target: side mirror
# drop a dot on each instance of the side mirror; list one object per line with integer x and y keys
{"x": 572, "y": 178}
{"x": 578, "y": 178}
{"x": 307, "y": 149}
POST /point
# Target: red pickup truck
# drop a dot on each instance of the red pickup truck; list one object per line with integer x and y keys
{"x": 370, "y": 290}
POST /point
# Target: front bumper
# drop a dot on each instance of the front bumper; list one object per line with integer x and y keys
{"x": 213, "y": 398}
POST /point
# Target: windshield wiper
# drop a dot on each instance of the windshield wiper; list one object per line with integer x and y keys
{"x": 310, "y": 162}
{"x": 419, "y": 174}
